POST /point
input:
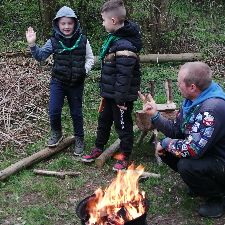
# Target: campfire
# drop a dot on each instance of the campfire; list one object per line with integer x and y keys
{"x": 119, "y": 204}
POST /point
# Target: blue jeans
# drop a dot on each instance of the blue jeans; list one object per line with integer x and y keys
{"x": 74, "y": 94}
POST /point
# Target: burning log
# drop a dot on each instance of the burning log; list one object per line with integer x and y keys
{"x": 61, "y": 175}
{"x": 122, "y": 203}
{"x": 30, "y": 160}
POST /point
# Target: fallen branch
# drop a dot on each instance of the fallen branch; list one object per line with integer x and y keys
{"x": 145, "y": 175}
{"x": 110, "y": 151}
{"x": 28, "y": 161}
{"x": 61, "y": 175}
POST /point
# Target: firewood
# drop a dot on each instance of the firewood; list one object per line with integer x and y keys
{"x": 31, "y": 160}
{"x": 145, "y": 175}
{"x": 109, "y": 151}
{"x": 158, "y": 58}
{"x": 61, "y": 175}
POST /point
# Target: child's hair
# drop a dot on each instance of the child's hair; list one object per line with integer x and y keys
{"x": 115, "y": 8}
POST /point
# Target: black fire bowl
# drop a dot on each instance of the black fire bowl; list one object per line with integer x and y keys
{"x": 82, "y": 213}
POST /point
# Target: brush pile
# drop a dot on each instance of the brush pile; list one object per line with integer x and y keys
{"x": 24, "y": 88}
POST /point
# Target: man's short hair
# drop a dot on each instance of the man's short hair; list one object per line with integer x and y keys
{"x": 197, "y": 73}
{"x": 115, "y": 8}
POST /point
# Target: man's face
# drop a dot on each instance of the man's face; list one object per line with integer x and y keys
{"x": 66, "y": 25}
{"x": 186, "y": 91}
{"x": 108, "y": 22}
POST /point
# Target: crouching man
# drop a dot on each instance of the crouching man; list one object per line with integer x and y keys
{"x": 195, "y": 142}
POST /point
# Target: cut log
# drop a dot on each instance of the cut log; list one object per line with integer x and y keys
{"x": 158, "y": 58}
{"x": 31, "y": 160}
{"x": 61, "y": 175}
{"x": 149, "y": 58}
{"x": 109, "y": 151}
{"x": 143, "y": 121}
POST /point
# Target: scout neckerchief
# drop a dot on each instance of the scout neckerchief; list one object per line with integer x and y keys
{"x": 65, "y": 48}
{"x": 110, "y": 39}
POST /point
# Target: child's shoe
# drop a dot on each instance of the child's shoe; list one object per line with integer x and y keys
{"x": 95, "y": 153}
{"x": 56, "y": 137}
{"x": 79, "y": 146}
{"x": 121, "y": 165}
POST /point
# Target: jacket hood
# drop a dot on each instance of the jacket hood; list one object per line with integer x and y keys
{"x": 131, "y": 32}
{"x": 65, "y": 12}
{"x": 213, "y": 91}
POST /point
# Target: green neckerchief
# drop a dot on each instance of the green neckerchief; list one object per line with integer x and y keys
{"x": 65, "y": 48}
{"x": 110, "y": 39}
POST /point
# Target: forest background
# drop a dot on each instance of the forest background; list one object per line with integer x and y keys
{"x": 168, "y": 26}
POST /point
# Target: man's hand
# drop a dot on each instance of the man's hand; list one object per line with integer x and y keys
{"x": 30, "y": 36}
{"x": 159, "y": 150}
{"x": 149, "y": 105}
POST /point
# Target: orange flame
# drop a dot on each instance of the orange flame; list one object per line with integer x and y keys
{"x": 119, "y": 156}
{"x": 120, "y": 202}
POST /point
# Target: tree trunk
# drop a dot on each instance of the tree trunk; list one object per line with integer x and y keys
{"x": 48, "y": 8}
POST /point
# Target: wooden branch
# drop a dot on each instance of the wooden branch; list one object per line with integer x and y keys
{"x": 145, "y": 175}
{"x": 141, "y": 137}
{"x": 30, "y": 160}
{"x": 109, "y": 151}
{"x": 152, "y": 88}
{"x": 61, "y": 175}
{"x": 169, "y": 93}
{"x": 158, "y": 159}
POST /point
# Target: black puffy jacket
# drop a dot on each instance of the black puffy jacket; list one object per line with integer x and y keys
{"x": 120, "y": 74}
{"x": 69, "y": 66}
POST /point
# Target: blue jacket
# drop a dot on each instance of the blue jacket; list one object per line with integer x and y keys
{"x": 199, "y": 126}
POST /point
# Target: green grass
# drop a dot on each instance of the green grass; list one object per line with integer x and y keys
{"x": 26, "y": 198}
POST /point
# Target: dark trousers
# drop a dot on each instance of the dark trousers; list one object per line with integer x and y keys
{"x": 205, "y": 176}
{"x": 74, "y": 94}
{"x": 123, "y": 123}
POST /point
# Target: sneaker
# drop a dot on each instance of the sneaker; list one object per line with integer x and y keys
{"x": 95, "y": 153}
{"x": 56, "y": 137}
{"x": 213, "y": 208}
{"x": 120, "y": 165}
{"x": 79, "y": 146}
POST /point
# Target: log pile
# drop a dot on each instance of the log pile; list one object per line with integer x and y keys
{"x": 23, "y": 101}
